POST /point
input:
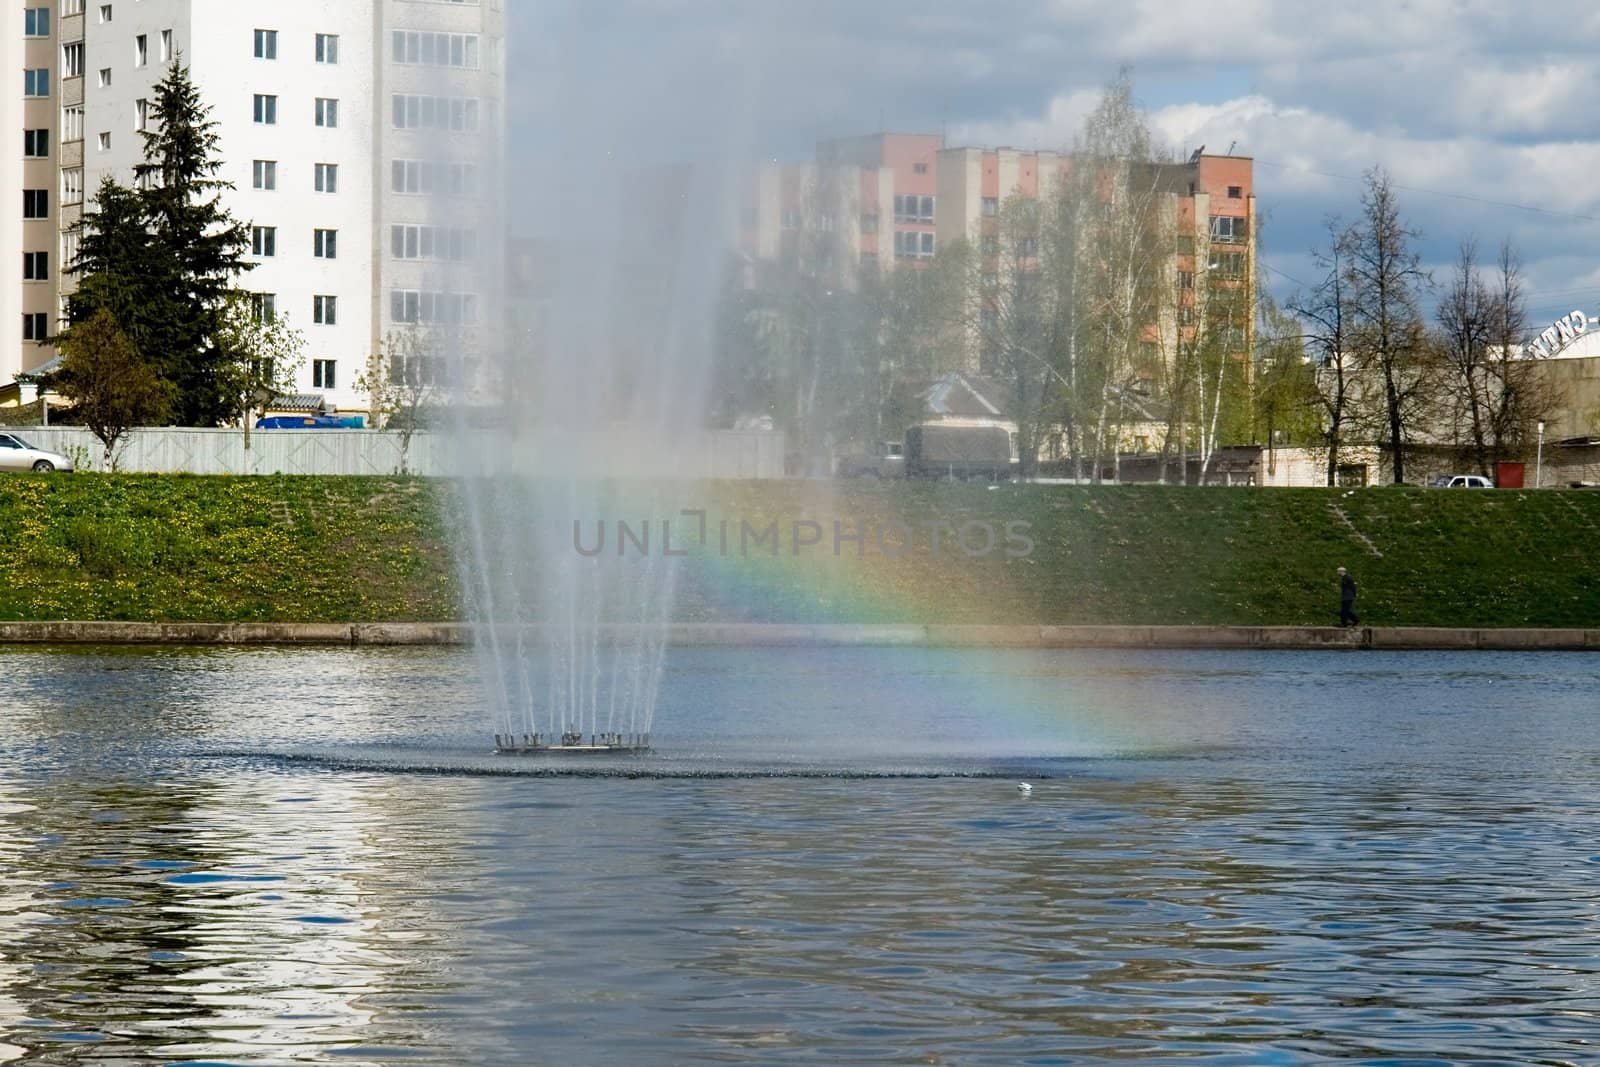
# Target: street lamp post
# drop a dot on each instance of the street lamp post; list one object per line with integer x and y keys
{"x": 1538, "y": 460}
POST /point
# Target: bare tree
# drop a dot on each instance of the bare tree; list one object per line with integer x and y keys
{"x": 1385, "y": 279}
{"x": 1327, "y": 314}
{"x": 1011, "y": 317}
{"x": 1467, "y": 317}
{"x": 1520, "y": 395}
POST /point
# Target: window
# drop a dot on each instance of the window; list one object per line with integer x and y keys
{"x": 919, "y": 168}
{"x": 325, "y": 311}
{"x": 433, "y": 242}
{"x": 264, "y": 174}
{"x": 990, "y": 244}
{"x": 1228, "y": 264}
{"x": 166, "y": 45}
{"x": 69, "y": 253}
{"x": 103, "y": 140}
{"x": 1028, "y": 246}
{"x": 266, "y": 110}
{"x": 36, "y": 22}
{"x": 913, "y": 208}
{"x": 141, "y": 50}
{"x": 266, "y": 44}
{"x": 991, "y": 206}
{"x": 327, "y": 178}
{"x": 1227, "y": 228}
{"x": 264, "y": 241}
{"x": 72, "y": 60}
{"x": 323, "y": 375}
{"x": 104, "y": 78}
{"x": 1186, "y": 316}
{"x": 435, "y": 112}
{"x": 909, "y": 244}
{"x": 327, "y": 48}
{"x": 1186, "y": 279}
{"x": 36, "y": 143}
{"x": 1235, "y": 192}
{"x": 36, "y": 266}
{"x": 36, "y": 82}
{"x": 325, "y": 244}
{"x": 435, "y": 49}
{"x": 35, "y": 326}
{"x": 35, "y": 203}
{"x": 71, "y": 7}
{"x": 105, "y": 13}
{"x": 413, "y": 176}
{"x": 72, "y": 124}
{"x": 327, "y": 112}
{"x": 410, "y": 305}
{"x": 141, "y": 114}
{"x": 265, "y": 306}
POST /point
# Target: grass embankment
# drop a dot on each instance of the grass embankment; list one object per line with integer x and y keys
{"x": 376, "y": 549}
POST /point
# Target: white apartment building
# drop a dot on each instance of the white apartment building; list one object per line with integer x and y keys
{"x": 363, "y": 139}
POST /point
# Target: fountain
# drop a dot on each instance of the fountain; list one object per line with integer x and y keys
{"x": 570, "y": 742}
{"x": 599, "y": 390}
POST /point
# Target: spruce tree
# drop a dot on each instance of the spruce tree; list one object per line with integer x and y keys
{"x": 194, "y": 242}
{"x": 118, "y": 271}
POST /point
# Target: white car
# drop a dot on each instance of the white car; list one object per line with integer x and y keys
{"x": 18, "y": 455}
{"x": 1462, "y": 481}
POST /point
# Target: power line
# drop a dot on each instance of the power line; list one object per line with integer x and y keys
{"x": 1435, "y": 192}
{"x": 1281, "y": 274}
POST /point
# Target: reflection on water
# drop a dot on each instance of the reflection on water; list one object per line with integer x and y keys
{"x": 1262, "y": 874}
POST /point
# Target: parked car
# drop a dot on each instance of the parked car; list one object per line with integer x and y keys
{"x": 1461, "y": 481}
{"x": 18, "y": 455}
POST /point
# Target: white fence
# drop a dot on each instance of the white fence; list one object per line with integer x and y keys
{"x": 710, "y": 454}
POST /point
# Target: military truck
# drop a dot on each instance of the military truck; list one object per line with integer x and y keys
{"x": 938, "y": 450}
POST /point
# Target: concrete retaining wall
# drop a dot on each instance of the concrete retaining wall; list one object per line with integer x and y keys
{"x": 764, "y": 634}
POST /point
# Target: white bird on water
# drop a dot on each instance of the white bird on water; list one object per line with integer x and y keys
{"x": 1024, "y": 788}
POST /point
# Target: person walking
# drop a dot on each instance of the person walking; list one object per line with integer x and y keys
{"x": 1347, "y": 599}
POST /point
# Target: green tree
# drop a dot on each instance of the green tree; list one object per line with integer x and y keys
{"x": 260, "y": 357}
{"x": 404, "y": 378}
{"x": 118, "y": 271}
{"x": 196, "y": 238}
{"x": 112, "y": 389}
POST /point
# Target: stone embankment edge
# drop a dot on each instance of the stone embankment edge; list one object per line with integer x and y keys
{"x": 806, "y": 635}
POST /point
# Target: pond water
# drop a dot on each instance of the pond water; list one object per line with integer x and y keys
{"x": 271, "y": 857}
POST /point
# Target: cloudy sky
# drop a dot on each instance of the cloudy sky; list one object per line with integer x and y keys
{"x": 1486, "y": 114}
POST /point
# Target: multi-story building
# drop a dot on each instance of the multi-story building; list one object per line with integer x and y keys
{"x": 871, "y": 199}
{"x": 1209, "y": 206}
{"x": 363, "y": 141}
{"x": 895, "y": 199}
{"x": 28, "y": 240}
